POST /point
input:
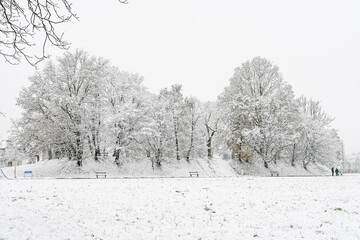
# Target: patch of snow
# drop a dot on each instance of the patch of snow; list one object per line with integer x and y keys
{"x": 181, "y": 208}
{"x": 216, "y": 167}
{"x": 63, "y": 168}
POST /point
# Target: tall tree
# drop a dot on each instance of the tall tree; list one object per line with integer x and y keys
{"x": 127, "y": 108}
{"x": 175, "y": 106}
{"x": 193, "y": 140}
{"x": 62, "y": 97}
{"x": 258, "y": 106}
{"x": 211, "y": 122}
{"x": 318, "y": 141}
{"x": 157, "y": 134}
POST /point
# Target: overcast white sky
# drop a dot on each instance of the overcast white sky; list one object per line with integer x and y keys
{"x": 198, "y": 43}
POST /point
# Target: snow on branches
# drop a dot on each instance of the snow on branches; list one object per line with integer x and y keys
{"x": 81, "y": 106}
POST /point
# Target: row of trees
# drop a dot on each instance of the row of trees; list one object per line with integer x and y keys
{"x": 82, "y": 106}
{"x": 263, "y": 117}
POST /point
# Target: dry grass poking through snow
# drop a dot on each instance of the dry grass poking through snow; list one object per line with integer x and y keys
{"x": 196, "y": 208}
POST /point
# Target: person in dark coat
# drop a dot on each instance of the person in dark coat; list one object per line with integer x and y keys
{"x": 332, "y": 171}
{"x": 337, "y": 172}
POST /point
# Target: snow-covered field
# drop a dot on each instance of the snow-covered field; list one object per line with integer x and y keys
{"x": 181, "y": 208}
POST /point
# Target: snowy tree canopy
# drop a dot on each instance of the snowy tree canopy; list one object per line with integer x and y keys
{"x": 81, "y": 107}
{"x": 262, "y": 116}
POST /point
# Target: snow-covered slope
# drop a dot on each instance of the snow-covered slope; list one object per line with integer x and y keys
{"x": 283, "y": 168}
{"x": 217, "y": 167}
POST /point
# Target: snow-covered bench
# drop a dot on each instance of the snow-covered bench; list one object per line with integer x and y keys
{"x": 100, "y": 173}
{"x": 274, "y": 173}
{"x": 194, "y": 174}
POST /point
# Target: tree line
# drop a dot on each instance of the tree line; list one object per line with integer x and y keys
{"x": 81, "y": 106}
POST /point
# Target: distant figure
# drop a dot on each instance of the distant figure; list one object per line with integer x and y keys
{"x": 332, "y": 171}
{"x": 337, "y": 172}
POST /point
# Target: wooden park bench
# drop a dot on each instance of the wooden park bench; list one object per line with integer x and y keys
{"x": 274, "y": 173}
{"x": 194, "y": 174}
{"x": 100, "y": 173}
{"x": 28, "y": 173}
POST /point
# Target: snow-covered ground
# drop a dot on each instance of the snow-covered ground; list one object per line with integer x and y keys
{"x": 181, "y": 208}
{"x": 217, "y": 167}
{"x": 63, "y": 168}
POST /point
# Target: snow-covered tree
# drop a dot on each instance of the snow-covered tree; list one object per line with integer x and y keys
{"x": 59, "y": 103}
{"x": 157, "y": 135}
{"x": 126, "y": 112}
{"x": 82, "y": 107}
{"x": 175, "y": 106}
{"x": 211, "y": 118}
{"x": 193, "y": 144}
{"x": 257, "y": 107}
{"x": 317, "y": 141}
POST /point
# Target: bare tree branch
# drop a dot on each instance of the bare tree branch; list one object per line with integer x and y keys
{"x": 21, "y": 21}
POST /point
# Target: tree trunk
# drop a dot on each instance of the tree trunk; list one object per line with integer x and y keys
{"x": 239, "y": 150}
{"x": 79, "y": 162}
{"x": 266, "y": 164}
{"x": 96, "y": 143}
{"x": 97, "y": 153}
{"x": 239, "y": 157}
{"x": 305, "y": 163}
{"x": 293, "y": 156}
{"x": 158, "y": 153}
{"x": 277, "y": 156}
{"x": 177, "y": 145}
{"x": 152, "y": 162}
{"x": 79, "y": 149}
{"x": 69, "y": 154}
{"x": 90, "y": 146}
{"x": 177, "y": 148}
{"x": 264, "y": 157}
{"x": 158, "y": 157}
{"x": 176, "y": 136}
{"x": 209, "y": 142}
{"x": 79, "y": 157}
{"x": 191, "y": 141}
{"x": 117, "y": 156}
{"x": 50, "y": 154}
{"x": 104, "y": 152}
{"x": 209, "y": 151}
{"x": 210, "y": 134}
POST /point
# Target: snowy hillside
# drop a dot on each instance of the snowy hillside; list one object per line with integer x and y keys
{"x": 142, "y": 168}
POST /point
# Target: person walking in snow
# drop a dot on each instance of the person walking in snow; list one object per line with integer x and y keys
{"x": 337, "y": 172}
{"x": 332, "y": 171}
